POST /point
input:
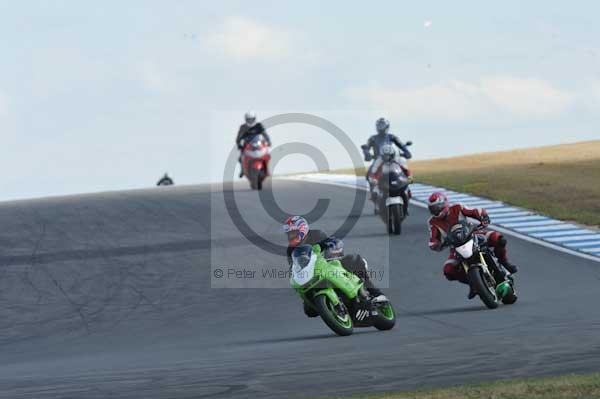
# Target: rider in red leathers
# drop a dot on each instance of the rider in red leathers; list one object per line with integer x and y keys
{"x": 444, "y": 216}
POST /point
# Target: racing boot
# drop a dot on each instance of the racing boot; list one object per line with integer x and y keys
{"x": 511, "y": 267}
{"x": 406, "y": 196}
{"x": 405, "y": 207}
{"x": 379, "y": 299}
{"x": 241, "y": 167}
{"x": 376, "y": 295}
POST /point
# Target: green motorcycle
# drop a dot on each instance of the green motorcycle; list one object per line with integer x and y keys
{"x": 337, "y": 295}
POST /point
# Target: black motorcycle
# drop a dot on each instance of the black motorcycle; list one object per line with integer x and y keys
{"x": 387, "y": 187}
{"x": 165, "y": 181}
{"x": 487, "y": 277}
{"x": 389, "y": 195}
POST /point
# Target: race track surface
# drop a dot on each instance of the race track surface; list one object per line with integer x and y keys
{"x": 109, "y": 295}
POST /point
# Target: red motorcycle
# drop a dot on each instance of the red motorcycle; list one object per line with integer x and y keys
{"x": 255, "y": 160}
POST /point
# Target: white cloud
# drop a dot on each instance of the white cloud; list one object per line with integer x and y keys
{"x": 526, "y": 97}
{"x": 241, "y": 38}
{"x": 458, "y": 100}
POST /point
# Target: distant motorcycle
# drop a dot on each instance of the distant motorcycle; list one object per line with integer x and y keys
{"x": 255, "y": 160}
{"x": 487, "y": 277}
{"x": 336, "y": 294}
{"x": 373, "y": 178}
{"x": 391, "y": 184}
{"x": 165, "y": 181}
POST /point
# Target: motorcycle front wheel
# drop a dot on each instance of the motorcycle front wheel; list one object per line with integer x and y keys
{"x": 479, "y": 285}
{"x": 260, "y": 176}
{"x": 395, "y": 216}
{"x": 340, "y": 322}
{"x": 252, "y": 180}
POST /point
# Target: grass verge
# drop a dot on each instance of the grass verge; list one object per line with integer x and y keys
{"x": 563, "y": 387}
{"x": 560, "y": 181}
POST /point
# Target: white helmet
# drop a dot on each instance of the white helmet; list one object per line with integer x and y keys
{"x": 250, "y": 118}
{"x": 388, "y": 152}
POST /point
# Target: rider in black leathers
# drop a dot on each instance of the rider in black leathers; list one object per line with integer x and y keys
{"x": 246, "y": 131}
{"x": 376, "y": 143}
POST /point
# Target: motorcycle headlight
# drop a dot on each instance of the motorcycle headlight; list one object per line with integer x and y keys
{"x": 467, "y": 249}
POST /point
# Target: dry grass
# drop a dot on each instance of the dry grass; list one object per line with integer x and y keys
{"x": 560, "y": 181}
{"x": 565, "y": 387}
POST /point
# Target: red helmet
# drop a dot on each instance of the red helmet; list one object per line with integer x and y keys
{"x": 438, "y": 204}
{"x": 296, "y": 228}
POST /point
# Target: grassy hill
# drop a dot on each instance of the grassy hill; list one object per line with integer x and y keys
{"x": 561, "y": 181}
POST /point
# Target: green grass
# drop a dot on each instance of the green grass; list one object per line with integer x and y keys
{"x": 559, "y": 181}
{"x": 570, "y": 191}
{"x": 563, "y": 387}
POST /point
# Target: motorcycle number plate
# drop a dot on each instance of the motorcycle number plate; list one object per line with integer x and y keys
{"x": 393, "y": 201}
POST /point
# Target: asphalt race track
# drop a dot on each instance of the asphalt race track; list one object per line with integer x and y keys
{"x": 109, "y": 295}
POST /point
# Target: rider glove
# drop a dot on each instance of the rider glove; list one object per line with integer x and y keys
{"x": 485, "y": 220}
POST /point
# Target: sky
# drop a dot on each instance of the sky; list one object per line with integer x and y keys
{"x": 109, "y": 95}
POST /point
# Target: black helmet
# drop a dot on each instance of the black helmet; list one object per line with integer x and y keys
{"x": 382, "y": 125}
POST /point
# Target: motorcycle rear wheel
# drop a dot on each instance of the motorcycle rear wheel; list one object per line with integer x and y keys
{"x": 511, "y": 297}
{"x": 340, "y": 325}
{"x": 478, "y": 284}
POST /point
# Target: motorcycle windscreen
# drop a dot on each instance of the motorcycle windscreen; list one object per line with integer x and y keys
{"x": 256, "y": 140}
{"x": 303, "y": 264}
{"x": 258, "y": 153}
{"x": 459, "y": 234}
{"x": 256, "y": 147}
